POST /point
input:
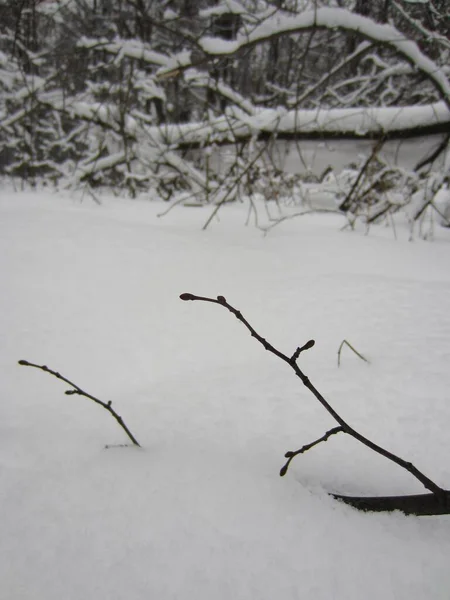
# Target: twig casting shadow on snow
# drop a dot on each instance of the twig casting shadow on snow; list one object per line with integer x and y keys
{"x": 438, "y": 502}
{"x": 78, "y": 391}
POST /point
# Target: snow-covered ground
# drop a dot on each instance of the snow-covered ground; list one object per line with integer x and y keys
{"x": 199, "y": 512}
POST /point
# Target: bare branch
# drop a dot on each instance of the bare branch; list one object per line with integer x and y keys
{"x": 306, "y": 447}
{"x": 440, "y": 493}
{"x": 345, "y": 205}
{"x": 78, "y": 391}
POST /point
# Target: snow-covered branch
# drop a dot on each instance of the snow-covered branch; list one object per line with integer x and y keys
{"x": 333, "y": 18}
{"x": 362, "y": 122}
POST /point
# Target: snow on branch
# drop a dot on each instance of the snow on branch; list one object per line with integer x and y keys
{"x": 130, "y": 48}
{"x": 137, "y": 105}
{"x": 333, "y": 18}
{"x": 204, "y": 80}
{"x": 138, "y": 50}
{"x": 222, "y": 8}
{"x": 100, "y": 113}
{"x": 429, "y": 35}
{"x": 361, "y": 121}
{"x": 91, "y": 166}
{"x": 344, "y": 121}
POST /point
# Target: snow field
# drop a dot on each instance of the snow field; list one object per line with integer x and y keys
{"x": 199, "y": 511}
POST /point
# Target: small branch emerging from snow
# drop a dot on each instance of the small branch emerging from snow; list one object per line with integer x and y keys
{"x": 306, "y": 447}
{"x": 351, "y": 348}
{"x": 78, "y": 391}
{"x": 442, "y": 496}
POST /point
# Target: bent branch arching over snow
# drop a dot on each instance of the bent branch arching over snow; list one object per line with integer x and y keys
{"x": 334, "y": 18}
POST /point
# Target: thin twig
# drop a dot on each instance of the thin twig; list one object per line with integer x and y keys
{"x": 306, "y": 447}
{"x": 346, "y": 203}
{"x": 440, "y": 493}
{"x": 231, "y": 189}
{"x": 78, "y": 391}
{"x": 351, "y": 348}
{"x": 434, "y": 155}
{"x": 311, "y": 211}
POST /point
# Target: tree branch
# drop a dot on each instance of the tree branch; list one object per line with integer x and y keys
{"x": 306, "y": 447}
{"x": 434, "y": 155}
{"x": 442, "y": 495}
{"x": 324, "y": 18}
{"x": 347, "y": 202}
{"x": 78, "y": 391}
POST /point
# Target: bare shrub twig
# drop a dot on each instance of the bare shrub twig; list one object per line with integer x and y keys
{"x": 441, "y": 500}
{"x": 350, "y": 197}
{"x": 306, "y": 447}
{"x": 78, "y": 391}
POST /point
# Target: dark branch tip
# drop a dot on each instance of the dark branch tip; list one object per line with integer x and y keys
{"x": 283, "y": 471}
{"x": 187, "y": 297}
{"x": 299, "y": 350}
{"x": 24, "y": 363}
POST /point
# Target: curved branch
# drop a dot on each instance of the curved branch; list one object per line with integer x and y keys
{"x": 306, "y": 447}
{"x": 334, "y": 18}
{"x": 442, "y": 496}
{"x": 78, "y": 391}
{"x": 417, "y": 504}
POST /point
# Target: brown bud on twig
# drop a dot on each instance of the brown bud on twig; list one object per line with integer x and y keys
{"x": 308, "y": 345}
{"x": 299, "y": 350}
{"x": 221, "y": 299}
{"x": 187, "y": 297}
{"x": 283, "y": 471}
